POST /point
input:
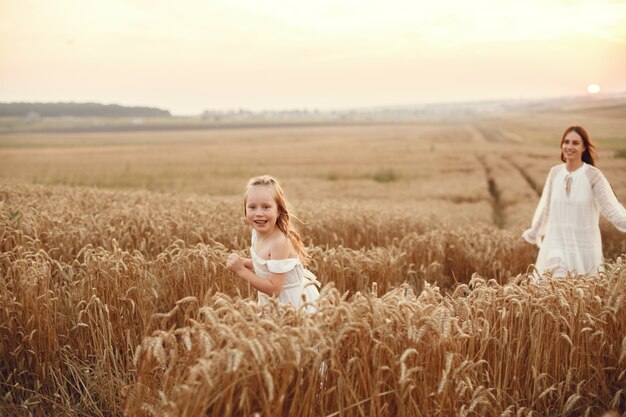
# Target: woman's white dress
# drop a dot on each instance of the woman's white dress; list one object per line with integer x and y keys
{"x": 566, "y": 222}
{"x": 300, "y": 284}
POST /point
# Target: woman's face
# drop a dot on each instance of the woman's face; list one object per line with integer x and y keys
{"x": 573, "y": 147}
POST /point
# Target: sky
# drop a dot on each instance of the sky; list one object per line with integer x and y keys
{"x": 188, "y": 56}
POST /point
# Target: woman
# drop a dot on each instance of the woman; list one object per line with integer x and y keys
{"x": 566, "y": 223}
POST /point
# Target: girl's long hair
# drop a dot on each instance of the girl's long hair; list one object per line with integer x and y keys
{"x": 589, "y": 154}
{"x": 283, "y": 222}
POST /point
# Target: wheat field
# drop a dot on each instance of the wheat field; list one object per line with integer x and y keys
{"x": 115, "y": 299}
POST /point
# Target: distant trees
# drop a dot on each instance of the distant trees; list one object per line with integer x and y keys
{"x": 78, "y": 110}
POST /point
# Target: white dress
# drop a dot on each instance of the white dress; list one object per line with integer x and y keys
{"x": 300, "y": 284}
{"x": 566, "y": 223}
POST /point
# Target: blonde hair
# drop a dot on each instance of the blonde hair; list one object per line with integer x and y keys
{"x": 283, "y": 221}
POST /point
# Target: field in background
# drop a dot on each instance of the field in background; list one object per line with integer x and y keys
{"x": 486, "y": 169}
{"x": 114, "y": 297}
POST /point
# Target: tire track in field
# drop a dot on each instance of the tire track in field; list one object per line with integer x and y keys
{"x": 489, "y": 134}
{"x": 493, "y": 135}
{"x": 499, "y": 218}
{"x": 531, "y": 182}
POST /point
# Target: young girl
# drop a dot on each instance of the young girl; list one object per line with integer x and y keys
{"x": 566, "y": 223}
{"x": 276, "y": 268}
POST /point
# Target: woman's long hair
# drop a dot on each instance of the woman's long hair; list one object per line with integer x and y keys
{"x": 589, "y": 154}
{"x": 283, "y": 221}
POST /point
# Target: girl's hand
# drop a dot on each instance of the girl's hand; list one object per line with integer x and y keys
{"x": 234, "y": 263}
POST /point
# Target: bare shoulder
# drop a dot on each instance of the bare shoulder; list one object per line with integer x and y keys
{"x": 281, "y": 247}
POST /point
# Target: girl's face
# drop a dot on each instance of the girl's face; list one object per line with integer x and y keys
{"x": 261, "y": 209}
{"x": 573, "y": 147}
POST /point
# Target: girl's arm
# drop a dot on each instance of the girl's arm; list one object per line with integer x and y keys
{"x": 272, "y": 286}
{"x": 247, "y": 262}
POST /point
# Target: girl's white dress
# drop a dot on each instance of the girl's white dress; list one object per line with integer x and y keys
{"x": 566, "y": 222}
{"x": 300, "y": 284}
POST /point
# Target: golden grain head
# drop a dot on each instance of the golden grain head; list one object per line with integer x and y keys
{"x": 103, "y": 290}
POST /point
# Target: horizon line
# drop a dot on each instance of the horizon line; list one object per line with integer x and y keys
{"x": 600, "y": 95}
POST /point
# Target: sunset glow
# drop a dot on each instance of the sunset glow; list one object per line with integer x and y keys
{"x": 193, "y": 55}
{"x": 593, "y": 88}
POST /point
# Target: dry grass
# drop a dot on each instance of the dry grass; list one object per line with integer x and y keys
{"x": 486, "y": 350}
{"x": 89, "y": 275}
{"x": 437, "y": 169}
{"x": 114, "y": 298}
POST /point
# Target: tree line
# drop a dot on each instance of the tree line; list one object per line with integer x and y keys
{"x": 77, "y": 110}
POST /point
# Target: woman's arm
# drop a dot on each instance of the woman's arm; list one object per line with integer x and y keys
{"x": 608, "y": 204}
{"x": 540, "y": 218}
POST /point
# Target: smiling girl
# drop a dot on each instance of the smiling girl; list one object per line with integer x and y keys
{"x": 566, "y": 222}
{"x": 277, "y": 253}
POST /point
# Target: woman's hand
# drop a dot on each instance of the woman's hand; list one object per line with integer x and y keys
{"x": 530, "y": 237}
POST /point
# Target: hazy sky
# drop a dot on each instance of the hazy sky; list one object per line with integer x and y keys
{"x": 187, "y": 56}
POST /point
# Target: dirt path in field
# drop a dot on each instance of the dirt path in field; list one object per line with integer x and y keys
{"x": 499, "y": 218}
{"x": 491, "y": 135}
{"x": 529, "y": 180}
